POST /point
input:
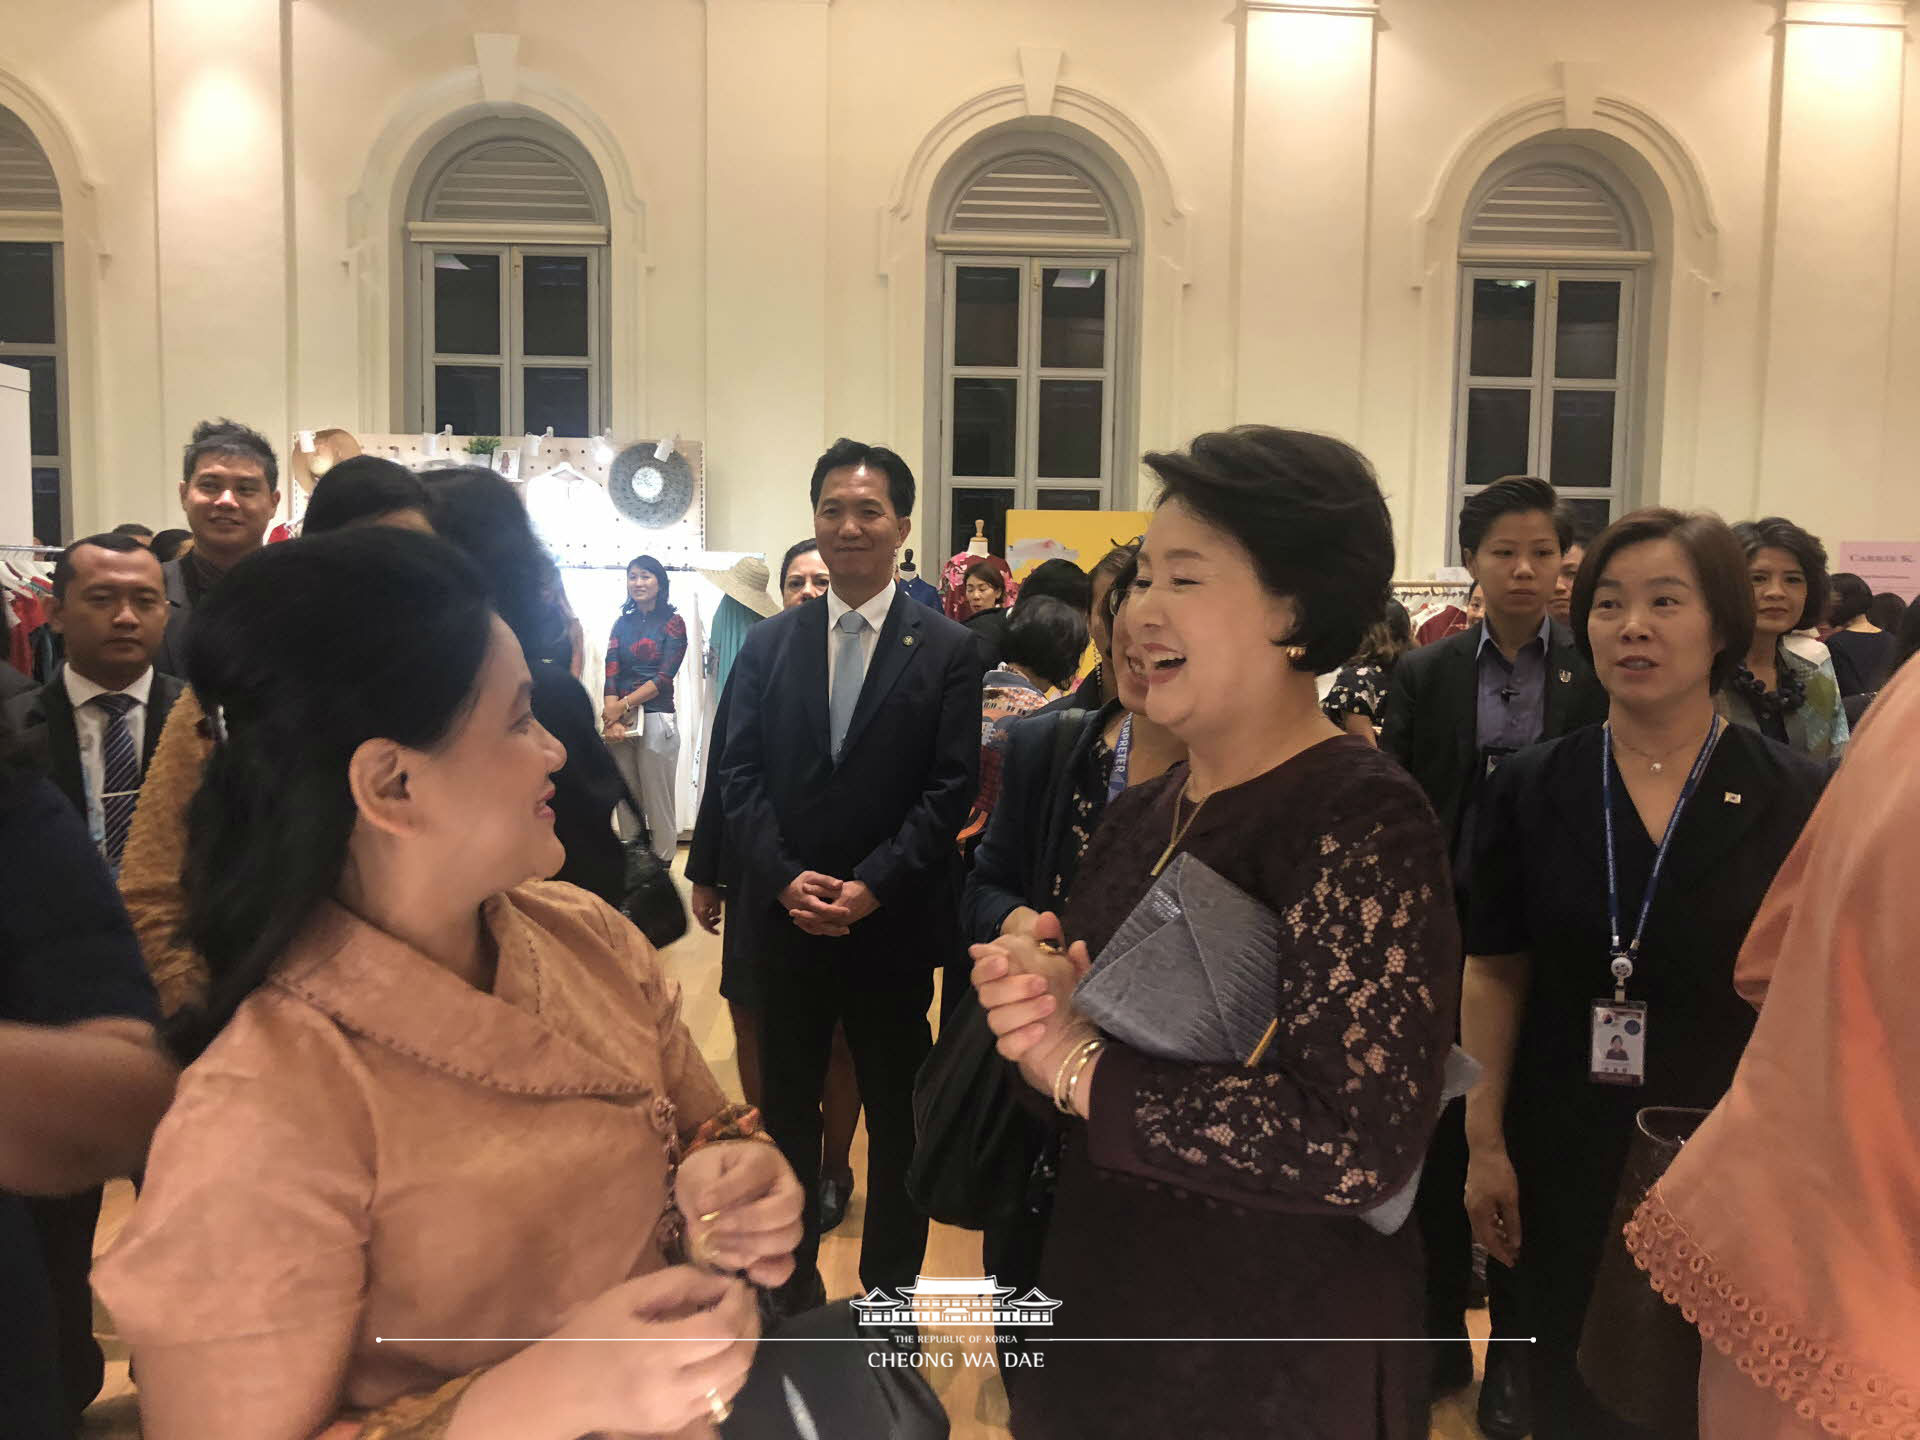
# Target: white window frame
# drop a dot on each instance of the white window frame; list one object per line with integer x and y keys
{"x": 1027, "y": 486}
{"x": 512, "y": 360}
{"x": 61, "y": 461}
{"x": 1540, "y": 385}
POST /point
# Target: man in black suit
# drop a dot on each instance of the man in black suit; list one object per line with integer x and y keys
{"x": 851, "y": 759}
{"x": 92, "y": 729}
{"x": 229, "y": 490}
{"x": 1456, "y": 709}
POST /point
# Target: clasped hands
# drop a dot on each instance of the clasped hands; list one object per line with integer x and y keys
{"x": 1025, "y": 982}
{"x": 822, "y": 905}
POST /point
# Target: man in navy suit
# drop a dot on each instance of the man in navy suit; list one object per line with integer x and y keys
{"x": 851, "y": 760}
{"x": 92, "y": 730}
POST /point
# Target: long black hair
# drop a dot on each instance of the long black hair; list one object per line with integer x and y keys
{"x": 300, "y": 655}
{"x": 480, "y": 513}
{"x": 659, "y": 572}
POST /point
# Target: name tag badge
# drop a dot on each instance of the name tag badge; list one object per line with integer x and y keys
{"x": 1617, "y": 1050}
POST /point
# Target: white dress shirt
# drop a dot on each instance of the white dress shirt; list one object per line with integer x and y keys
{"x": 90, "y": 722}
{"x": 875, "y": 611}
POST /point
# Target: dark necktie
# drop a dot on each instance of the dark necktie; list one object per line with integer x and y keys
{"x": 119, "y": 775}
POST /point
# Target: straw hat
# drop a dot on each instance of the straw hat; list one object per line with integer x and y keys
{"x": 747, "y": 582}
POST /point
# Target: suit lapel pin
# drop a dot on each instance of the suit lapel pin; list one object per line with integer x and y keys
{"x": 1733, "y": 797}
{"x": 1566, "y": 677}
{"x": 906, "y": 639}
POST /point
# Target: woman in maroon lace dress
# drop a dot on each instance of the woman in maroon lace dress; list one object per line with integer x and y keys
{"x": 1209, "y": 1203}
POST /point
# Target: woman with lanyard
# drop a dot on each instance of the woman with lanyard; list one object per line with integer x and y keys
{"x": 1615, "y": 874}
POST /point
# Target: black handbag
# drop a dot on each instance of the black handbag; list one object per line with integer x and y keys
{"x": 801, "y": 1386}
{"x": 649, "y": 898}
{"x": 974, "y": 1144}
{"x": 1638, "y": 1354}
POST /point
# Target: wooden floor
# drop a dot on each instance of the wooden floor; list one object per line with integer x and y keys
{"x": 973, "y": 1397}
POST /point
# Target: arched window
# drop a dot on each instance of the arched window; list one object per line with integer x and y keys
{"x": 33, "y": 324}
{"x": 1032, "y": 240}
{"x": 1553, "y": 257}
{"x": 506, "y": 292}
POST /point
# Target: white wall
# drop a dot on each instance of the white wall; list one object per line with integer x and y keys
{"x": 232, "y": 226}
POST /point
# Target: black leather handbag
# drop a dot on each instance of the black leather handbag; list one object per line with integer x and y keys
{"x": 1638, "y": 1354}
{"x": 974, "y": 1143}
{"x": 802, "y": 1386}
{"x": 649, "y": 898}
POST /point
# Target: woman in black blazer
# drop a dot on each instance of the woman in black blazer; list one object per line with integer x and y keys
{"x": 1663, "y": 607}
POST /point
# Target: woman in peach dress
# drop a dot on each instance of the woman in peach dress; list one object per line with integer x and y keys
{"x": 1788, "y": 1228}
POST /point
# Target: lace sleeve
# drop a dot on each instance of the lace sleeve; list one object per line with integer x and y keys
{"x": 1340, "y": 1109}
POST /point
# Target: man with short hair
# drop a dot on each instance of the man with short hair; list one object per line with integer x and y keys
{"x": 851, "y": 758}
{"x": 133, "y": 530}
{"x": 229, "y": 489}
{"x": 1456, "y": 709}
{"x": 1575, "y": 537}
{"x": 91, "y": 729}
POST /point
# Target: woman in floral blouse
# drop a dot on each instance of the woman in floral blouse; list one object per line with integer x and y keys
{"x": 1358, "y": 699}
{"x": 644, "y": 652}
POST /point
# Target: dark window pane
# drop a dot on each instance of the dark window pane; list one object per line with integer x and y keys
{"x": 1073, "y": 319}
{"x": 1497, "y": 422}
{"x": 26, "y": 294}
{"x": 1589, "y": 516}
{"x": 1070, "y": 428}
{"x": 556, "y": 397}
{"x": 1582, "y": 438}
{"x": 967, "y": 505}
{"x": 1502, "y": 327}
{"x": 466, "y": 305}
{"x": 467, "y": 397}
{"x": 48, "y": 516}
{"x": 983, "y": 425}
{"x": 1587, "y": 330}
{"x": 986, "y": 315}
{"x": 43, "y": 403}
{"x": 1067, "y": 500}
{"x": 554, "y": 295}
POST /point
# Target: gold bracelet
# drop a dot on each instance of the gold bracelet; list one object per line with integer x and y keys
{"x": 1060, "y": 1075}
{"x": 1087, "y": 1052}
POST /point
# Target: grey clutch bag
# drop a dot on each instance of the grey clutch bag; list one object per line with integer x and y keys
{"x": 1190, "y": 975}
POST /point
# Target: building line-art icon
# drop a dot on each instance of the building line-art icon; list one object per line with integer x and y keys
{"x": 971, "y": 1301}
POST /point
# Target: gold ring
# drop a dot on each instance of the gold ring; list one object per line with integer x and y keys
{"x": 717, "y": 1409}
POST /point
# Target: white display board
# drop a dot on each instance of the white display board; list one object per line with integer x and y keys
{"x": 16, "y": 458}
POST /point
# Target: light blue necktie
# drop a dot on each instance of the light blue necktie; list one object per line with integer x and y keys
{"x": 848, "y": 675}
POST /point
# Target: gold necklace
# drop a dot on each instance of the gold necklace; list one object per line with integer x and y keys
{"x": 1657, "y": 763}
{"x": 1180, "y": 828}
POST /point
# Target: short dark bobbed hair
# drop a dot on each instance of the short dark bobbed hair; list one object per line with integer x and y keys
{"x": 1887, "y": 610}
{"x": 1719, "y": 565}
{"x": 794, "y": 552}
{"x": 988, "y": 571}
{"x": 1776, "y": 533}
{"x": 1046, "y": 636}
{"x": 1852, "y": 598}
{"x": 362, "y": 488}
{"x": 278, "y": 656}
{"x": 1308, "y": 510}
{"x": 1061, "y": 580}
{"x": 844, "y": 454}
{"x": 1510, "y": 495}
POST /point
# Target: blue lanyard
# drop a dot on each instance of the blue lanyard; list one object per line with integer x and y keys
{"x": 1623, "y": 959}
{"x": 1122, "y": 748}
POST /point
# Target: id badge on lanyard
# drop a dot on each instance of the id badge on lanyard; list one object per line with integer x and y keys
{"x": 1617, "y": 1028}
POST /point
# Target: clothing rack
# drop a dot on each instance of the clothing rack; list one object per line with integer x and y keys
{"x": 36, "y": 549}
